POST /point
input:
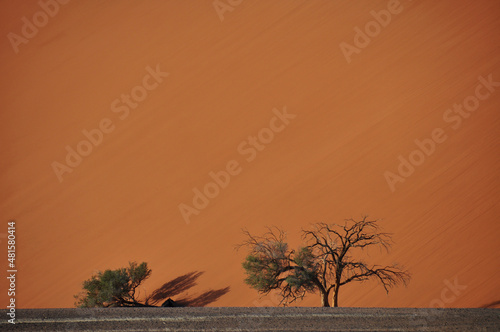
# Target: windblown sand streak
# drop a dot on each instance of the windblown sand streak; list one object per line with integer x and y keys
{"x": 121, "y": 203}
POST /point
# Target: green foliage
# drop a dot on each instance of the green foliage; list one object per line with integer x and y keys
{"x": 306, "y": 272}
{"x": 113, "y": 287}
{"x": 261, "y": 272}
{"x": 268, "y": 272}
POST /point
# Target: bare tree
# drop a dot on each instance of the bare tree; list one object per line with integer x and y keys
{"x": 325, "y": 264}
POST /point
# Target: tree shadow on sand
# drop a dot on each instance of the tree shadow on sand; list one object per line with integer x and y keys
{"x": 203, "y": 299}
{"x": 494, "y": 304}
{"x": 180, "y": 285}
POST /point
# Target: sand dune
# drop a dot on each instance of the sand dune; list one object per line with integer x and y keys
{"x": 353, "y": 121}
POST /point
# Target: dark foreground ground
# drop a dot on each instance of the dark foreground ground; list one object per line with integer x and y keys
{"x": 254, "y": 319}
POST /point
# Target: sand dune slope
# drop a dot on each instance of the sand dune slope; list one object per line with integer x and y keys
{"x": 356, "y": 106}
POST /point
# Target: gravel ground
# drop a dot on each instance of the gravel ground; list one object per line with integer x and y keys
{"x": 254, "y": 319}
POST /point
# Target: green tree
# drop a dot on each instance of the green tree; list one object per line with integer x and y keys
{"x": 114, "y": 288}
{"x": 324, "y": 265}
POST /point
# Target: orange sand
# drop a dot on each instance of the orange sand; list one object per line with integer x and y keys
{"x": 352, "y": 122}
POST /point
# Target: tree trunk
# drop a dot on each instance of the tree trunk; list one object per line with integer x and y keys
{"x": 336, "y": 296}
{"x": 324, "y": 299}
